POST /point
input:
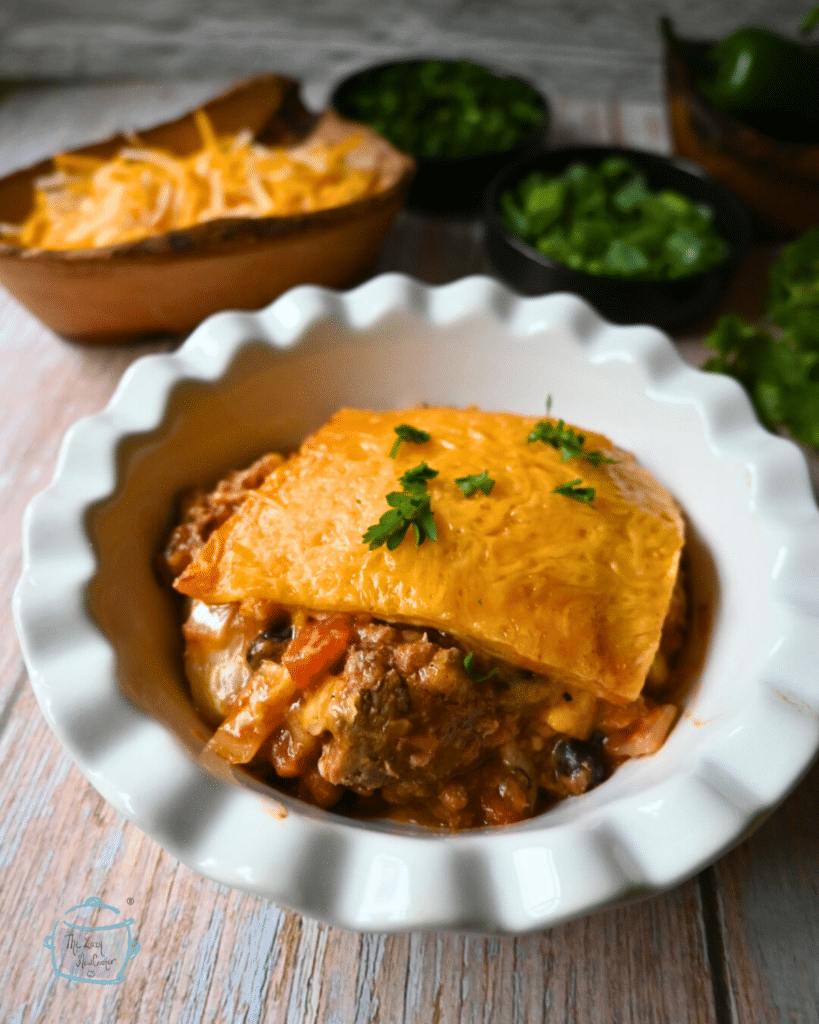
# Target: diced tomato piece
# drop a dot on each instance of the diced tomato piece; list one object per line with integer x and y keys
{"x": 316, "y": 648}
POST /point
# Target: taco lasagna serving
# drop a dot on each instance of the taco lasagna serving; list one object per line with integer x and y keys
{"x": 447, "y": 616}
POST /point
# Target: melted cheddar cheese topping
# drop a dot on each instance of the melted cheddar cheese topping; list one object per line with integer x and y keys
{"x": 575, "y": 591}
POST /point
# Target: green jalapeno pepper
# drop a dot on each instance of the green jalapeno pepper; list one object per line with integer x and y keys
{"x": 766, "y": 81}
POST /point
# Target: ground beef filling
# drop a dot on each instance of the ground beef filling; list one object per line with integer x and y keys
{"x": 398, "y": 726}
{"x": 407, "y": 718}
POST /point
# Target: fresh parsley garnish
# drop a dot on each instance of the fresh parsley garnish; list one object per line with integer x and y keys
{"x": 410, "y": 507}
{"x": 596, "y": 458}
{"x": 475, "y": 482}
{"x": 417, "y": 477}
{"x": 566, "y": 440}
{"x": 474, "y": 672}
{"x": 562, "y": 438}
{"x": 575, "y": 490}
{"x": 406, "y": 432}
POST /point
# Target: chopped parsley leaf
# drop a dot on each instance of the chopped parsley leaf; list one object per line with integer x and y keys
{"x": 410, "y": 507}
{"x": 567, "y": 441}
{"x": 406, "y": 432}
{"x": 477, "y": 482}
{"x": 574, "y": 489}
{"x": 417, "y": 477}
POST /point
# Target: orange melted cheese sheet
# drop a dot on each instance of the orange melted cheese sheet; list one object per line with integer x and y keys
{"x": 547, "y": 583}
{"x": 472, "y": 679}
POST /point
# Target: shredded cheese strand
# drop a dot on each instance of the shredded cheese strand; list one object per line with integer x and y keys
{"x": 87, "y": 202}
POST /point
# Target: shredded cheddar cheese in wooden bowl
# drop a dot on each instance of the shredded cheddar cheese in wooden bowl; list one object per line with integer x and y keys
{"x": 91, "y": 202}
{"x": 226, "y": 207}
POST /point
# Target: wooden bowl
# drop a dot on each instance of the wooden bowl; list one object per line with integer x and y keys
{"x": 778, "y": 181}
{"x": 167, "y": 284}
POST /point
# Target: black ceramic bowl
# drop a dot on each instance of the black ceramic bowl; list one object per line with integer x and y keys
{"x": 453, "y": 185}
{"x": 672, "y": 305}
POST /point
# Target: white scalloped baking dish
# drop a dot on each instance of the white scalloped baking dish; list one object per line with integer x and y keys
{"x": 100, "y": 639}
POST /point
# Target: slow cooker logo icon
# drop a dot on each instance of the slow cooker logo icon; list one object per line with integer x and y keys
{"x": 94, "y": 953}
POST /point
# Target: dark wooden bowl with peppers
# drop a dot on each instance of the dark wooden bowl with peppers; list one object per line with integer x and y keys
{"x": 462, "y": 122}
{"x": 746, "y": 108}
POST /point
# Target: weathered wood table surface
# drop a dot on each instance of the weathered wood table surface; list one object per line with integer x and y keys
{"x": 739, "y": 943}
